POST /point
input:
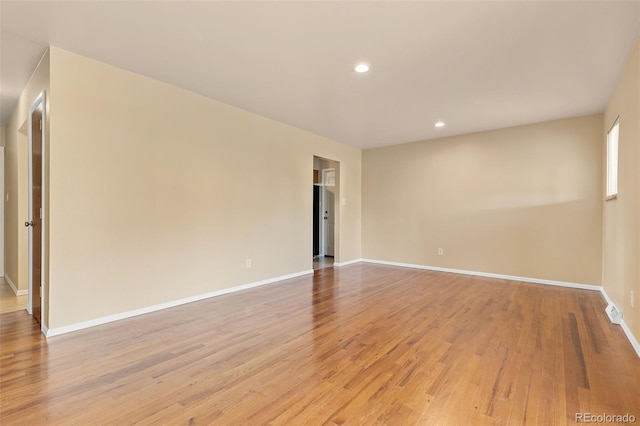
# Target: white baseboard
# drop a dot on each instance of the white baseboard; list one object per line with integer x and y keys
{"x": 625, "y": 327}
{"x": 103, "y": 320}
{"x": 488, "y": 275}
{"x": 349, "y": 262}
{"x": 631, "y": 337}
{"x": 13, "y": 286}
{"x": 606, "y": 296}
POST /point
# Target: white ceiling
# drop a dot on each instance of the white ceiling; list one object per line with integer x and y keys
{"x": 475, "y": 65}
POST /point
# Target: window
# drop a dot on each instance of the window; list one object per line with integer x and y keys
{"x": 612, "y": 161}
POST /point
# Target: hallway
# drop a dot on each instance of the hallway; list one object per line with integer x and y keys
{"x": 9, "y": 302}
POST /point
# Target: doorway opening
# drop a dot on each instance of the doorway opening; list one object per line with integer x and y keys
{"x": 13, "y": 291}
{"x": 11, "y": 299}
{"x": 326, "y": 187}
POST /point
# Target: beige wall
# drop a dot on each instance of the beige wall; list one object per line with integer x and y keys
{"x": 521, "y": 201}
{"x": 621, "y": 255}
{"x": 159, "y": 194}
{"x": 16, "y": 177}
{"x": 1, "y": 135}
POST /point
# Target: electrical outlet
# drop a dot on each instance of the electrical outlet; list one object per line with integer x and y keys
{"x": 247, "y": 264}
{"x": 440, "y": 252}
{"x": 631, "y": 297}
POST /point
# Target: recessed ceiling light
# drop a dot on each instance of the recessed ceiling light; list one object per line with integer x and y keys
{"x": 361, "y": 68}
{"x": 439, "y": 124}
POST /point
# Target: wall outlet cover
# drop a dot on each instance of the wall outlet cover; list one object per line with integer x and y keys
{"x": 614, "y": 314}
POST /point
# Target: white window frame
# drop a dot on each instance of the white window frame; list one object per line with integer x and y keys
{"x": 613, "y": 139}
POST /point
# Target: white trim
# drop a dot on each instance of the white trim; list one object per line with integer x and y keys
{"x": 625, "y": 328}
{"x": 349, "y": 262}
{"x": 103, "y": 320}
{"x": 14, "y": 288}
{"x": 2, "y": 209}
{"x": 488, "y": 274}
{"x": 323, "y": 201}
{"x": 44, "y": 271}
{"x": 631, "y": 337}
{"x": 606, "y": 296}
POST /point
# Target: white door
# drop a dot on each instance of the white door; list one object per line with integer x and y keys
{"x": 2, "y": 211}
{"x": 328, "y": 211}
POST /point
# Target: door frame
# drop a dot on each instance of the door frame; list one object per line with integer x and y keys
{"x": 2, "y": 212}
{"x": 40, "y": 100}
{"x": 317, "y": 225}
{"x": 323, "y": 226}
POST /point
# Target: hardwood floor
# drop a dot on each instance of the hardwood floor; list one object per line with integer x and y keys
{"x": 9, "y": 302}
{"x": 364, "y": 344}
{"x": 322, "y": 262}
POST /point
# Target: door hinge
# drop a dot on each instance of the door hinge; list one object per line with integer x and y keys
{"x": 40, "y": 292}
{"x": 41, "y": 213}
{"x": 41, "y": 124}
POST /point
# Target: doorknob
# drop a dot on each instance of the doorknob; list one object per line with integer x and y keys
{"x": 28, "y": 223}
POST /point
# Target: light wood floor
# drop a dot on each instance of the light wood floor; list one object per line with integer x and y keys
{"x": 9, "y": 302}
{"x": 364, "y": 344}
